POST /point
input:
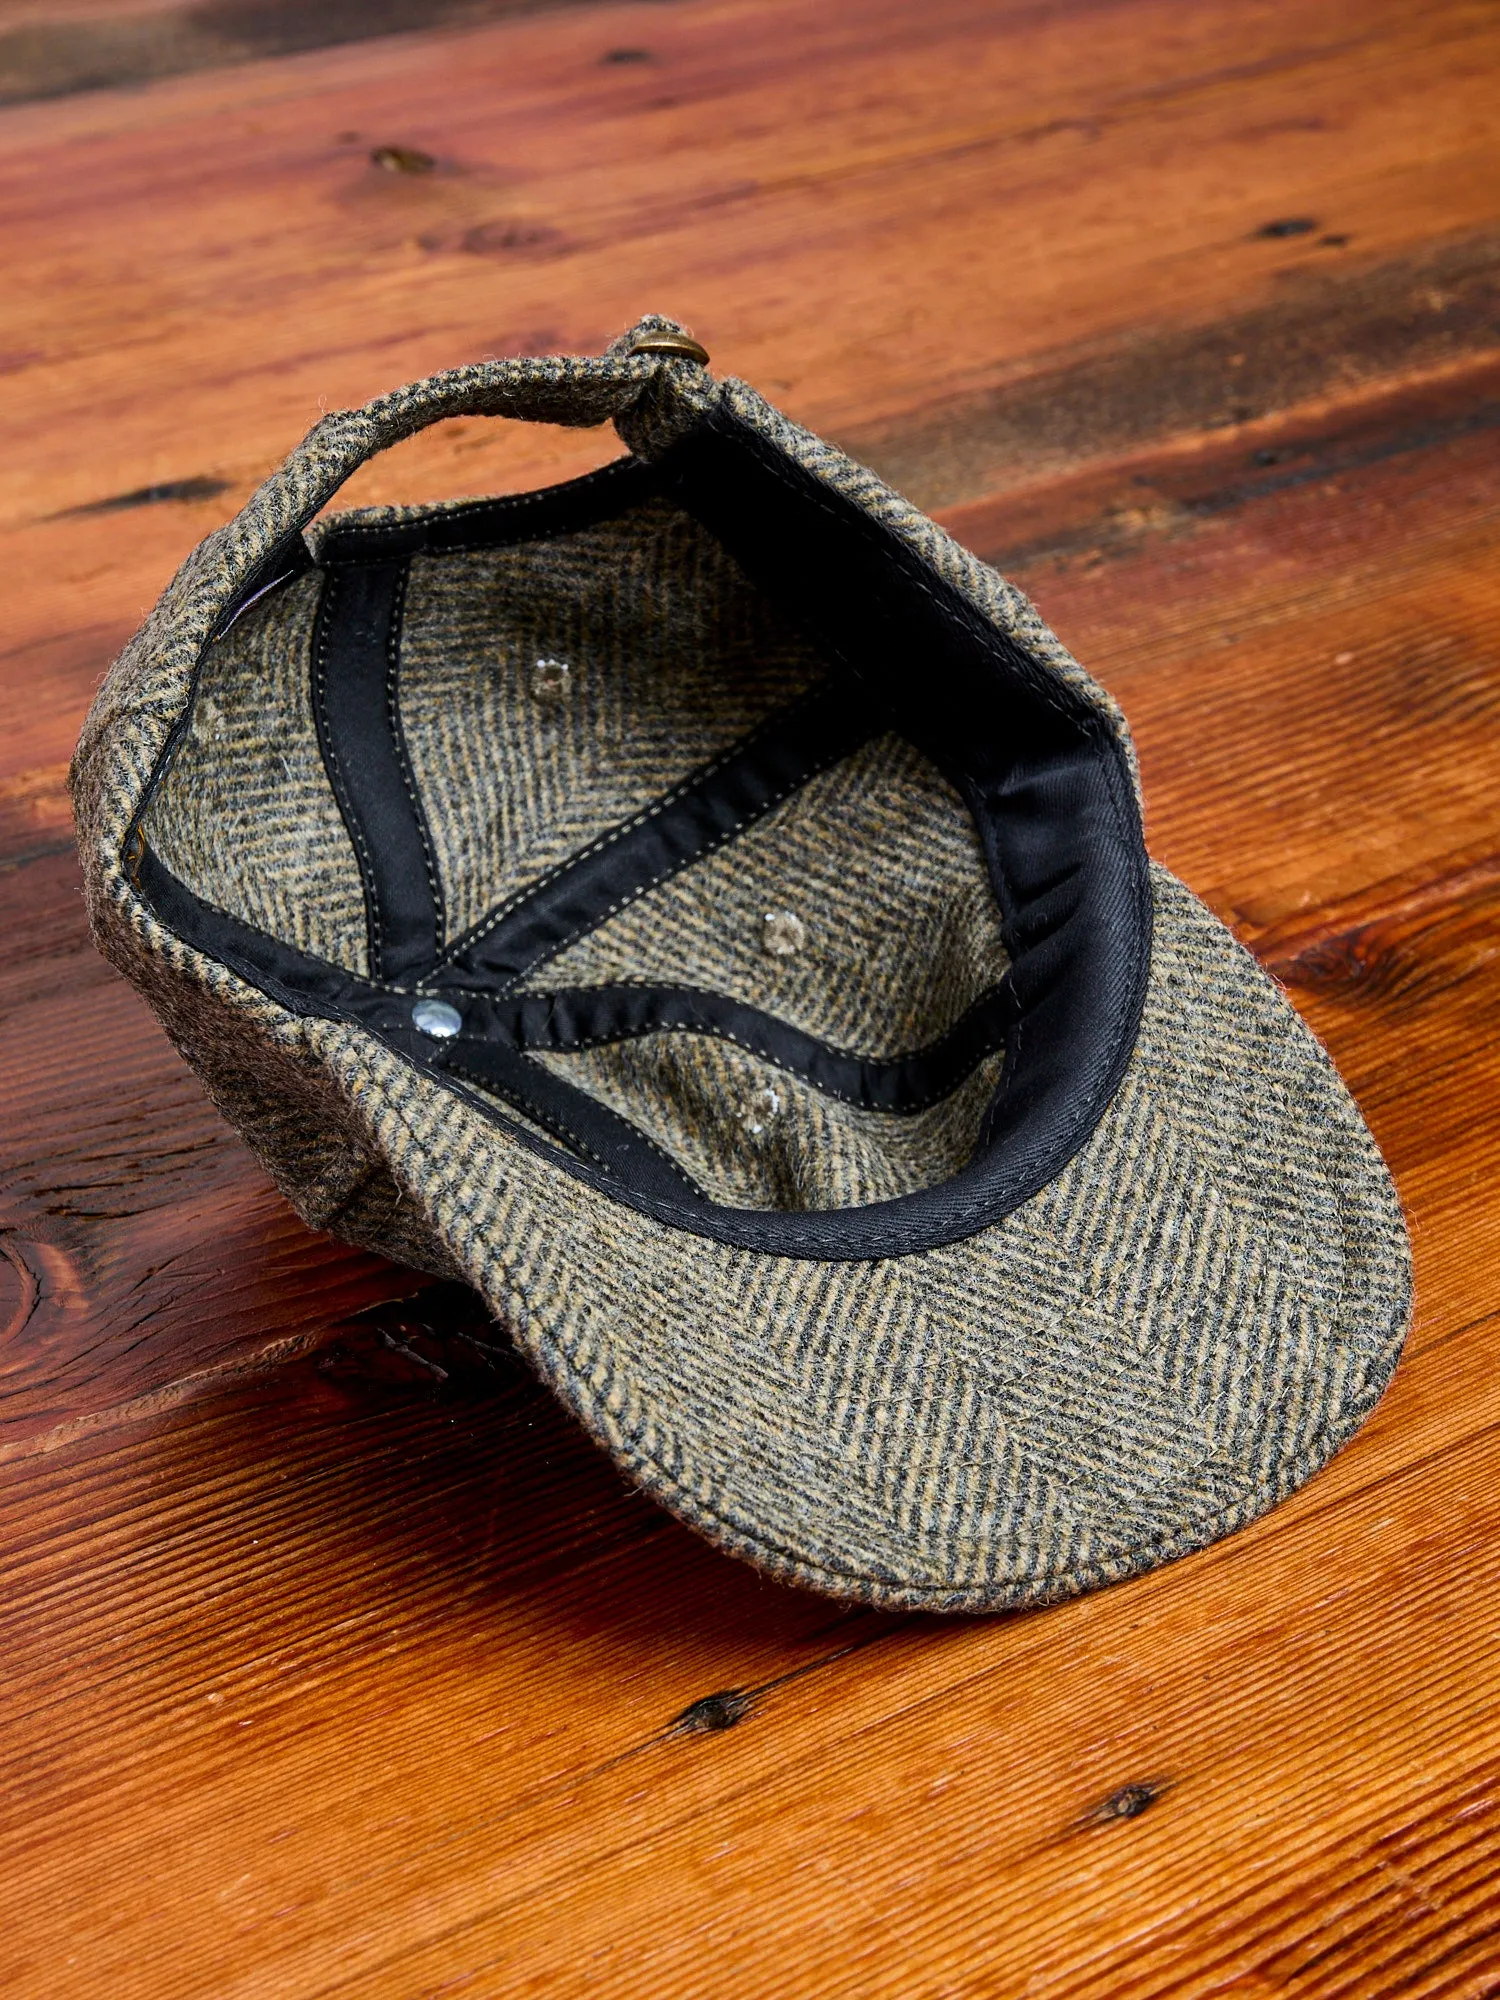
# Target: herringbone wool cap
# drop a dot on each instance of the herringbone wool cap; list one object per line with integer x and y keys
{"x": 706, "y": 909}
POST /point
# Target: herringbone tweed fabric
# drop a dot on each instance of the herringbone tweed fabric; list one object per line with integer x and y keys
{"x": 244, "y": 812}
{"x": 877, "y": 860}
{"x": 1175, "y": 1332}
{"x": 753, "y": 1136}
{"x": 671, "y": 657}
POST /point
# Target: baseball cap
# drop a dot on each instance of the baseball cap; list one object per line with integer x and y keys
{"x": 706, "y": 910}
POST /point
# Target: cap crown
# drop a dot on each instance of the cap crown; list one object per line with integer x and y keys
{"x": 711, "y": 818}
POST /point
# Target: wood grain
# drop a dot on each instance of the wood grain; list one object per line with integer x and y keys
{"x": 336, "y": 1661}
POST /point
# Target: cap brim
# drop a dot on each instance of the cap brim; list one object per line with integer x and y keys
{"x": 1156, "y": 1348}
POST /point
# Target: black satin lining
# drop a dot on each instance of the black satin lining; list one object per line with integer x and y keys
{"x": 503, "y": 1030}
{"x": 356, "y": 651}
{"x": 587, "y": 1017}
{"x": 1044, "y": 777}
{"x": 489, "y": 524}
{"x": 571, "y": 1019}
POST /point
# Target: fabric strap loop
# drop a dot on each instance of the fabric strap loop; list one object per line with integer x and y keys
{"x": 576, "y": 391}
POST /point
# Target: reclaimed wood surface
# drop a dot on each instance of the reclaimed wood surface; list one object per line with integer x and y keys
{"x": 334, "y": 1661}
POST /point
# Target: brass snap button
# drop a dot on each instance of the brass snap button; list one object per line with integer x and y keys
{"x": 682, "y": 345}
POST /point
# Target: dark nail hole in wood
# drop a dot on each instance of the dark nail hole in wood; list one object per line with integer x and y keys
{"x": 402, "y": 160}
{"x": 715, "y": 1711}
{"x": 1335, "y": 242}
{"x": 626, "y": 56}
{"x": 1129, "y": 1802}
{"x": 1288, "y": 225}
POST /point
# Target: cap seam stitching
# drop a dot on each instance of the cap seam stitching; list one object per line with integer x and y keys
{"x": 925, "y": 1103}
{"x": 352, "y": 827}
{"x": 477, "y": 933}
{"x": 395, "y": 634}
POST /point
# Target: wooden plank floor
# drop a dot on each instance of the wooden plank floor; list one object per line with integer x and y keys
{"x": 334, "y": 1661}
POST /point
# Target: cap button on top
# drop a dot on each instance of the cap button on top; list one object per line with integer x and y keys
{"x": 680, "y": 345}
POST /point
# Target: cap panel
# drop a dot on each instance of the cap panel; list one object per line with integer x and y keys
{"x": 860, "y": 910}
{"x": 551, "y": 689}
{"x": 244, "y": 813}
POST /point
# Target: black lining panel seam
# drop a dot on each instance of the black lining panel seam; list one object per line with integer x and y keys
{"x": 758, "y": 737}
{"x": 978, "y": 1033}
{"x": 602, "y": 915}
{"x": 545, "y": 1116}
{"x": 700, "y": 781}
{"x": 478, "y": 931}
{"x": 350, "y": 996}
{"x": 188, "y": 912}
{"x": 356, "y": 664}
{"x": 394, "y": 639}
{"x": 549, "y": 1097}
{"x": 910, "y": 1108}
{"x": 353, "y": 825}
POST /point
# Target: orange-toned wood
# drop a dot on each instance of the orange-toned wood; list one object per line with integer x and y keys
{"x": 335, "y": 1661}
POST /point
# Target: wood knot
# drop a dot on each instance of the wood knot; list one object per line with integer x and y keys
{"x": 1358, "y": 961}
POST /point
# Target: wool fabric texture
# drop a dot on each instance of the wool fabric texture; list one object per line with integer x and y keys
{"x": 749, "y": 962}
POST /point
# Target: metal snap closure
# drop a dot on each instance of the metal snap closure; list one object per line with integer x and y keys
{"x": 436, "y": 1018}
{"x": 681, "y": 345}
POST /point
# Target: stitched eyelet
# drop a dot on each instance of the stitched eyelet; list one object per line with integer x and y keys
{"x": 782, "y": 933}
{"x": 550, "y": 680}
